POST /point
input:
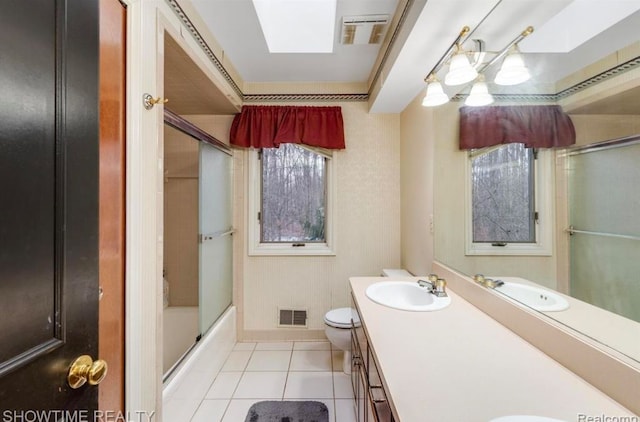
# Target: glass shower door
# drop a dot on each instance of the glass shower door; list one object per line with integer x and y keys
{"x": 604, "y": 205}
{"x": 215, "y": 238}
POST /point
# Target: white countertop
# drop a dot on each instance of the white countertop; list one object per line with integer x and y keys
{"x": 620, "y": 335}
{"x": 460, "y": 365}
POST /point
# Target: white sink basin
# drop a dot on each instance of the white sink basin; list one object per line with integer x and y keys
{"x": 525, "y": 418}
{"x": 534, "y": 297}
{"x": 405, "y": 295}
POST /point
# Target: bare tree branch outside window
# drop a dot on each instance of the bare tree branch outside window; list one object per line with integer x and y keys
{"x": 503, "y": 195}
{"x": 294, "y": 191}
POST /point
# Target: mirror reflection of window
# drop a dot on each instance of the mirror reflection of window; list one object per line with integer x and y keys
{"x": 503, "y": 195}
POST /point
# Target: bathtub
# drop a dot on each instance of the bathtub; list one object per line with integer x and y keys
{"x": 180, "y": 329}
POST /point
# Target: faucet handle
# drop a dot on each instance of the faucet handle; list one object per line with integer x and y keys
{"x": 433, "y": 277}
{"x": 440, "y": 287}
{"x": 479, "y": 278}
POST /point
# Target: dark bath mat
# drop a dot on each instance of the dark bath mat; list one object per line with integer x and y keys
{"x": 288, "y": 411}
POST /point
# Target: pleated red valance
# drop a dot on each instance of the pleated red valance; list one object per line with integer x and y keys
{"x": 270, "y": 126}
{"x": 534, "y": 126}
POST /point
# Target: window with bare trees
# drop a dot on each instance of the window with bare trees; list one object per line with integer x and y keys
{"x": 290, "y": 201}
{"x": 509, "y": 201}
{"x": 294, "y": 195}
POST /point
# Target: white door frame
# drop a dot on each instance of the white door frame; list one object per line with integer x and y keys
{"x": 143, "y": 380}
{"x": 147, "y": 22}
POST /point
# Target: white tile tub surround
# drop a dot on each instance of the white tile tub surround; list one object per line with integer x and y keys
{"x": 180, "y": 328}
{"x": 303, "y": 371}
{"x": 193, "y": 378}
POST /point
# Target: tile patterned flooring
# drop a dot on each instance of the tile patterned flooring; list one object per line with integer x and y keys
{"x": 269, "y": 371}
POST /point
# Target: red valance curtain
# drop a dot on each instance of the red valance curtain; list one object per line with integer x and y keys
{"x": 534, "y": 126}
{"x": 269, "y": 126}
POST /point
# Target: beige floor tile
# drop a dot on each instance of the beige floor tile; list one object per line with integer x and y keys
{"x": 244, "y": 346}
{"x": 180, "y": 410}
{"x": 237, "y": 410}
{"x": 307, "y": 385}
{"x": 311, "y": 345}
{"x": 269, "y": 360}
{"x": 310, "y": 360}
{"x": 224, "y": 385}
{"x": 261, "y": 385}
{"x": 210, "y": 411}
{"x": 237, "y": 361}
{"x": 345, "y": 410}
{"x": 283, "y": 345}
{"x": 342, "y": 387}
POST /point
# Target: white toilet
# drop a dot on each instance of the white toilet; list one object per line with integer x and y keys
{"x": 338, "y": 330}
{"x": 338, "y": 323}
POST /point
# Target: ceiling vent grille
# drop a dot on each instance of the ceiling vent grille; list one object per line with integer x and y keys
{"x": 292, "y": 318}
{"x": 365, "y": 29}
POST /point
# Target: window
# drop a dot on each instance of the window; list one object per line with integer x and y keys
{"x": 508, "y": 201}
{"x": 290, "y": 201}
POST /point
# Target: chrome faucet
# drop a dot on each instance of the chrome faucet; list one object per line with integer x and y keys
{"x": 487, "y": 282}
{"x": 434, "y": 285}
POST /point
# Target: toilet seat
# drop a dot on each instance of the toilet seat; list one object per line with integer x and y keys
{"x": 341, "y": 318}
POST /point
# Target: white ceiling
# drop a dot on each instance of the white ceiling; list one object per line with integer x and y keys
{"x": 235, "y": 26}
{"x": 430, "y": 28}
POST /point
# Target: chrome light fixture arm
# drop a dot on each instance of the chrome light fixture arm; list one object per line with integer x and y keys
{"x": 455, "y": 45}
{"x": 504, "y": 51}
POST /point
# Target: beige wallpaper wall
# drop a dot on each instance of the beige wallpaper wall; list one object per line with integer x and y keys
{"x": 417, "y": 148}
{"x": 368, "y": 234}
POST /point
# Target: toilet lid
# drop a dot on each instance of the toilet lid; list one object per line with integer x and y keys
{"x": 341, "y": 318}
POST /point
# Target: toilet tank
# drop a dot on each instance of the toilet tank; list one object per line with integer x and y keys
{"x": 395, "y": 272}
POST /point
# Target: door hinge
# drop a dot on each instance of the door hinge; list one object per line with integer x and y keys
{"x": 259, "y": 215}
{"x": 536, "y": 217}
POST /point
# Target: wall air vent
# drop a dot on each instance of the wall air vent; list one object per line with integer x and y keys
{"x": 292, "y": 318}
{"x": 365, "y": 29}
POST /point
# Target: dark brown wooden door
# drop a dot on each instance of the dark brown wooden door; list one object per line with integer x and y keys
{"x": 48, "y": 202}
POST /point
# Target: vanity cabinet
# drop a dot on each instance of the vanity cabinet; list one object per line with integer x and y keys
{"x": 370, "y": 396}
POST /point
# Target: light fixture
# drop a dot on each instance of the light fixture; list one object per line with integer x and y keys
{"x": 435, "y": 96}
{"x": 513, "y": 70}
{"x": 460, "y": 70}
{"x": 479, "y": 95}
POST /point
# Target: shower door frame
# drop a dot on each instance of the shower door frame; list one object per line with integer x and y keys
{"x": 175, "y": 121}
{"x": 563, "y": 232}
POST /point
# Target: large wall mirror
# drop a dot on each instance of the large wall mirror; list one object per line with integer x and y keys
{"x": 594, "y": 186}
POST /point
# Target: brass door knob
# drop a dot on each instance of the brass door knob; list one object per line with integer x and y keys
{"x": 84, "y": 370}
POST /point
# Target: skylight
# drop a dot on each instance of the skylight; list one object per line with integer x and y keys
{"x": 580, "y": 21}
{"x": 297, "y": 26}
